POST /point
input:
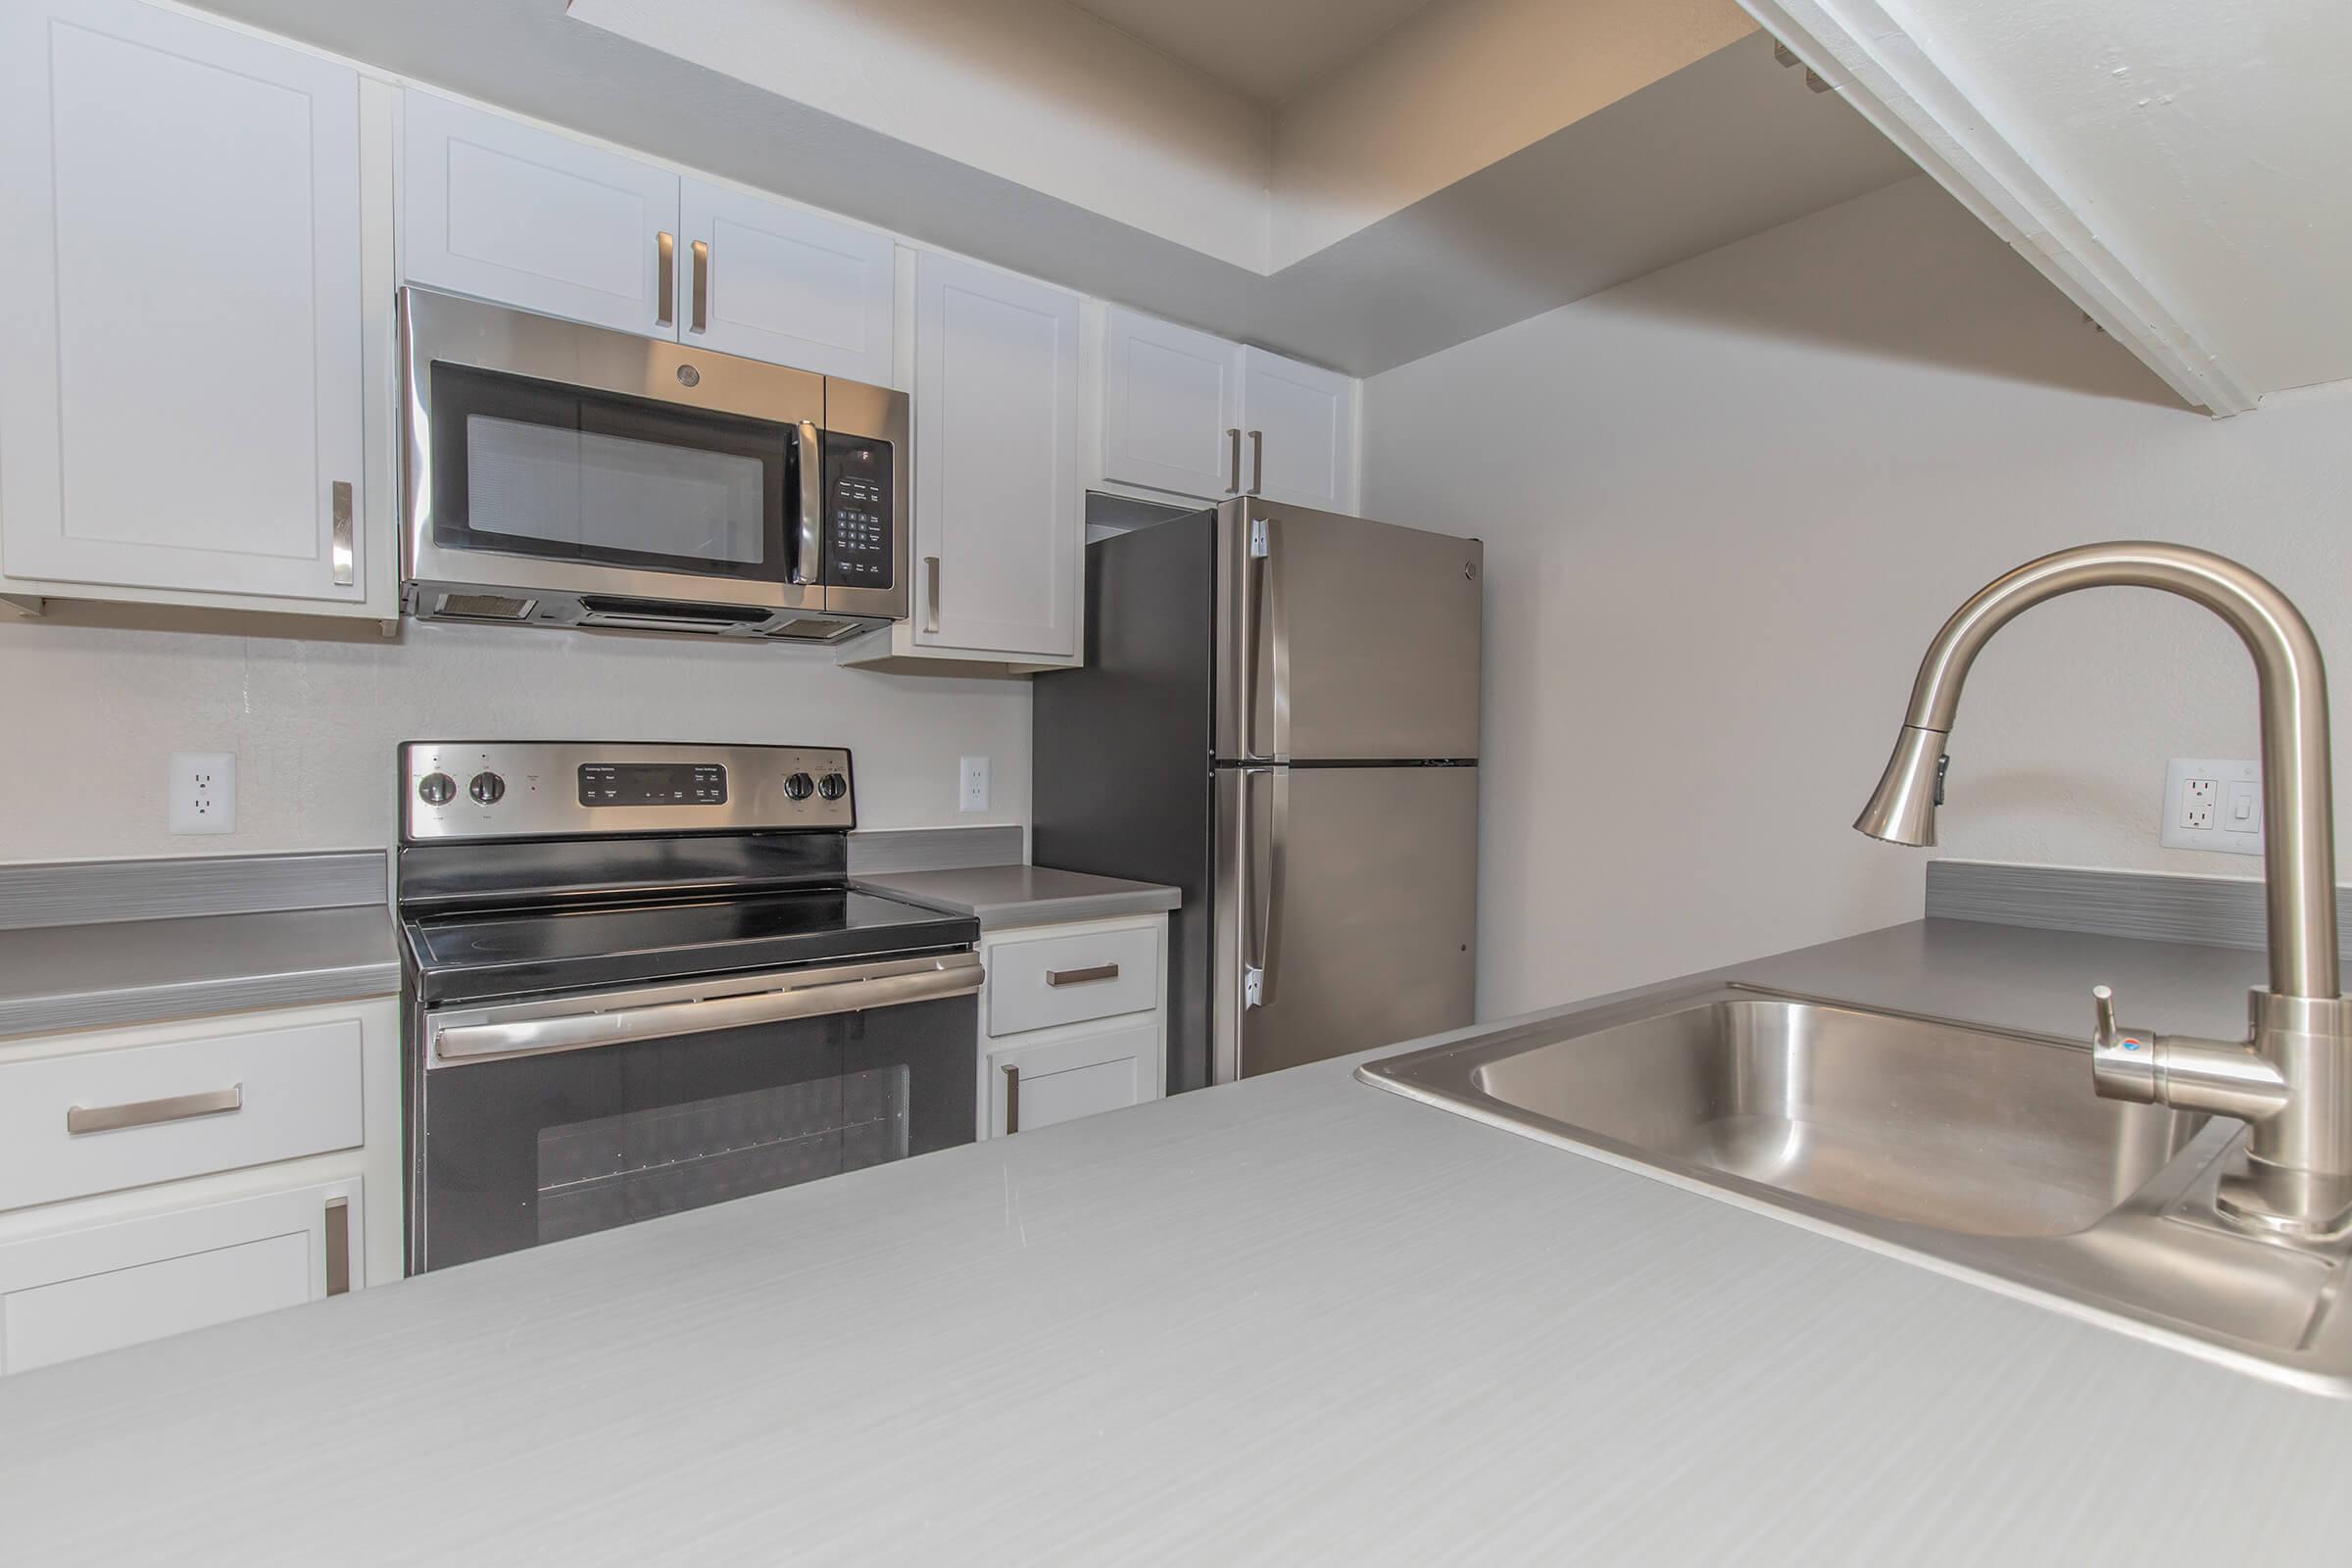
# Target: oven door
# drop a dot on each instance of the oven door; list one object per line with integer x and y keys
{"x": 541, "y": 1120}
{"x": 543, "y": 455}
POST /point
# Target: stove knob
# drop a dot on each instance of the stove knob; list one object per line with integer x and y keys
{"x": 832, "y": 786}
{"x": 798, "y": 785}
{"x": 436, "y": 789}
{"x": 486, "y": 787}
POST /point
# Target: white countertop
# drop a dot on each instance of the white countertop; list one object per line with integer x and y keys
{"x": 1292, "y": 1319}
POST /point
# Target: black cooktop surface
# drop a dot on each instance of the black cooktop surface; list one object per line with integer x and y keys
{"x": 478, "y": 955}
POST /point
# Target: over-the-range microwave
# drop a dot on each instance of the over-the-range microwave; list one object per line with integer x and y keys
{"x": 565, "y": 475}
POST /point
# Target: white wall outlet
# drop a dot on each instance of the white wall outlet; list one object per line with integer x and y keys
{"x": 204, "y": 792}
{"x": 2213, "y": 804}
{"x": 971, "y": 784}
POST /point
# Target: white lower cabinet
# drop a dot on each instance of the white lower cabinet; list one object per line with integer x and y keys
{"x": 1035, "y": 1082}
{"x": 158, "y": 1178}
{"x": 1073, "y": 1020}
{"x": 79, "y": 1291}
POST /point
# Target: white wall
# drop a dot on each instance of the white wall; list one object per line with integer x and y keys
{"x": 1727, "y": 505}
{"x": 91, "y": 714}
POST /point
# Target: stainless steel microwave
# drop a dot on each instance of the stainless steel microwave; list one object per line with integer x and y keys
{"x": 565, "y": 475}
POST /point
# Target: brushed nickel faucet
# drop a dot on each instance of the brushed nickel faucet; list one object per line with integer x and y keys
{"x": 2291, "y": 1080}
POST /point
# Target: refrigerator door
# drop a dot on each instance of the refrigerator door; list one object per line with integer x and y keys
{"x": 1346, "y": 911}
{"x": 1343, "y": 640}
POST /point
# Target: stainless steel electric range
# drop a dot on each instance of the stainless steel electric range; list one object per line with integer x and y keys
{"x": 637, "y": 979}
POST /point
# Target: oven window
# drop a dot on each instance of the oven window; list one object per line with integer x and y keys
{"x": 614, "y": 1170}
{"x": 527, "y": 467}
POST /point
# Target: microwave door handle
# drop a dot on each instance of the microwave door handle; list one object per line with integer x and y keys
{"x": 816, "y": 995}
{"x": 807, "y": 559}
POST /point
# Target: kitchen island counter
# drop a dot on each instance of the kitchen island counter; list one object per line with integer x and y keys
{"x": 1297, "y": 1318}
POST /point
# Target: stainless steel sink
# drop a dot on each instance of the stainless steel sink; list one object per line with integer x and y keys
{"x": 1981, "y": 1152}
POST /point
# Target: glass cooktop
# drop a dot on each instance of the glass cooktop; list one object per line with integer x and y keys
{"x": 481, "y": 954}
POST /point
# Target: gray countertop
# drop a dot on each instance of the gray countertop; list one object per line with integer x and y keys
{"x": 1292, "y": 1319}
{"x": 63, "y": 977}
{"x": 1001, "y": 896}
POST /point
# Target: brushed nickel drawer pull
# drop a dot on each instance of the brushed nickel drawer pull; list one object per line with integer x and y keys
{"x": 1013, "y": 1099}
{"x": 1080, "y": 977}
{"x": 338, "y": 1245}
{"x": 81, "y": 1119}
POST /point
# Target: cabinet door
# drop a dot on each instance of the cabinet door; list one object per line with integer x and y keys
{"x": 998, "y": 518}
{"x": 180, "y": 321}
{"x": 507, "y": 211}
{"x": 1306, "y": 415}
{"x": 1036, "y": 1085}
{"x": 1171, "y": 407}
{"x": 784, "y": 284}
{"x": 78, "y": 1292}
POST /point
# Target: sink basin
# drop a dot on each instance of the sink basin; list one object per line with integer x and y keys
{"x": 1963, "y": 1128}
{"x": 1978, "y": 1152}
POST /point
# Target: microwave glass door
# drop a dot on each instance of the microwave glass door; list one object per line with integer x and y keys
{"x": 531, "y": 468}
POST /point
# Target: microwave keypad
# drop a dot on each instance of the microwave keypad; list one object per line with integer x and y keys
{"x": 859, "y": 522}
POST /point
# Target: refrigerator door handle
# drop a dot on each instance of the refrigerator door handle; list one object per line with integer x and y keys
{"x": 1263, "y": 599}
{"x": 1261, "y": 958}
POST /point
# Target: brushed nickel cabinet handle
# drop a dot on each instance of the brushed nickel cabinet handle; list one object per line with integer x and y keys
{"x": 1233, "y": 443}
{"x": 339, "y": 548}
{"x": 1080, "y": 977}
{"x": 81, "y": 1119}
{"x": 931, "y": 593}
{"x": 665, "y": 276}
{"x": 1013, "y": 1099}
{"x": 701, "y": 289}
{"x": 338, "y": 1245}
{"x": 1258, "y": 461}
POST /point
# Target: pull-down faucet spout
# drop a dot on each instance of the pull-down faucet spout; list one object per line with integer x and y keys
{"x": 2292, "y": 1080}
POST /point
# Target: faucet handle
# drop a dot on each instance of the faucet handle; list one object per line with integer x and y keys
{"x": 2123, "y": 1062}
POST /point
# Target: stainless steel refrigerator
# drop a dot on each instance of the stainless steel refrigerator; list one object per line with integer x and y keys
{"x": 1278, "y": 715}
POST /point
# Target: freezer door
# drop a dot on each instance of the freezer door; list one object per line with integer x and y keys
{"x": 1343, "y": 640}
{"x": 1346, "y": 911}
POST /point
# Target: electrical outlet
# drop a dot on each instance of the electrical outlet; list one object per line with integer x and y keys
{"x": 204, "y": 792}
{"x": 2213, "y": 804}
{"x": 971, "y": 784}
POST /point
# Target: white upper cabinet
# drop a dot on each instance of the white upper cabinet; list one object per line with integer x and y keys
{"x": 1171, "y": 407}
{"x": 781, "y": 283}
{"x": 181, "y": 312}
{"x": 509, "y": 211}
{"x": 1299, "y": 432}
{"x": 999, "y": 519}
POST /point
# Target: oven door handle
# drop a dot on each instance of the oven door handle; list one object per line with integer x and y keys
{"x": 810, "y": 995}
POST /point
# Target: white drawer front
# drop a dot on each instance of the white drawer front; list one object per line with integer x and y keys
{"x": 1042, "y": 981}
{"x": 154, "y": 1113}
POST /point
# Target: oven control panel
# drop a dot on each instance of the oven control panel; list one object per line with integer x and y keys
{"x": 564, "y": 789}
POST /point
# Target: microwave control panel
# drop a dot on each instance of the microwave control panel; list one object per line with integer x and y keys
{"x": 859, "y": 511}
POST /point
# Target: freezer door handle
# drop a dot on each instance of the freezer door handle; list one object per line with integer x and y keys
{"x": 1261, "y": 956}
